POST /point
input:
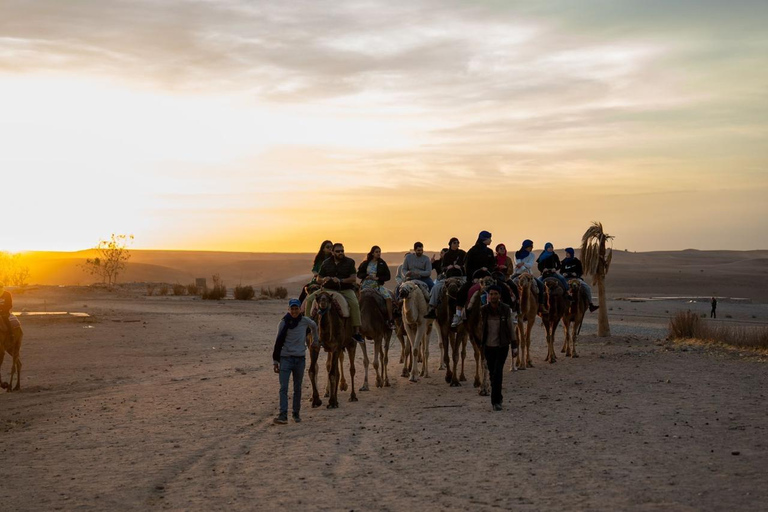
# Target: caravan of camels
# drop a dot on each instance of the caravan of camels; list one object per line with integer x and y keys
{"x": 350, "y": 303}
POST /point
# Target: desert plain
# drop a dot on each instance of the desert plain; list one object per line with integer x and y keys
{"x": 166, "y": 403}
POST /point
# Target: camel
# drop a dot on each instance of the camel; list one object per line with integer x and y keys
{"x": 556, "y": 304}
{"x": 473, "y": 328}
{"x": 529, "y": 309}
{"x": 373, "y": 312}
{"x": 14, "y": 350}
{"x": 574, "y": 316}
{"x": 335, "y": 334}
{"x": 415, "y": 306}
{"x": 450, "y": 340}
{"x": 402, "y": 335}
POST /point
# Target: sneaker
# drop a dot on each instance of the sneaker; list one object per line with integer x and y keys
{"x": 432, "y": 313}
{"x": 296, "y": 418}
{"x": 593, "y": 308}
{"x": 358, "y": 338}
{"x": 282, "y": 419}
{"x": 496, "y": 407}
{"x": 456, "y": 320}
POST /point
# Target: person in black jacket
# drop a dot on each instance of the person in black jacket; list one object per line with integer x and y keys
{"x": 571, "y": 268}
{"x": 373, "y": 272}
{"x": 479, "y": 263}
{"x": 549, "y": 261}
{"x": 451, "y": 265}
{"x": 498, "y": 336}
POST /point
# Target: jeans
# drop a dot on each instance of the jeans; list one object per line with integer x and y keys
{"x": 291, "y": 365}
{"x": 428, "y": 281}
{"x": 434, "y": 295}
{"x": 496, "y": 357}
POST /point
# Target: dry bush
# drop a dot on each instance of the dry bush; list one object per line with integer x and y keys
{"x": 280, "y": 293}
{"x": 266, "y": 293}
{"x": 219, "y": 291}
{"x": 192, "y": 289}
{"x": 163, "y": 290}
{"x": 244, "y": 292}
{"x": 150, "y": 290}
{"x": 686, "y": 325}
{"x": 179, "y": 289}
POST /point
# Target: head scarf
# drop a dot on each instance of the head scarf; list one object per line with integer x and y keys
{"x": 546, "y": 254}
{"x": 501, "y": 259}
{"x": 484, "y": 235}
{"x": 522, "y": 253}
{"x": 569, "y": 252}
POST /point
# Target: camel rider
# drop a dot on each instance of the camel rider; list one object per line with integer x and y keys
{"x": 437, "y": 263}
{"x": 571, "y": 268}
{"x": 479, "y": 263}
{"x": 6, "y": 304}
{"x": 524, "y": 261}
{"x": 451, "y": 265}
{"x": 373, "y": 273}
{"x": 325, "y": 252}
{"x": 417, "y": 266}
{"x": 549, "y": 264}
{"x": 339, "y": 273}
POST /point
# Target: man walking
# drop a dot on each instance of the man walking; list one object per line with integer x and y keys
{"x": 289, "y": 357}
{"x": 498, "y": 337}
{"x": 713, "y": 313}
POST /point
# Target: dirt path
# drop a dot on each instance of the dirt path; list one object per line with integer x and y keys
{"x": 176, "y": 413}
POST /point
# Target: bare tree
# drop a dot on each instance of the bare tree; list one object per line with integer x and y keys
{"x": 13, "y": 271}
{"x": 112, "y": 255}
{"x": 596, "y": 260}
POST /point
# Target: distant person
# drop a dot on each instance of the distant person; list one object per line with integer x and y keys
{"x": 325, "y": 252}
{"x": 289, "y": 357}
{"x": 571, "y": 268}
{"x": 373, "y": 273}
{"x": 6, "y": 305}
{"x": 713, "y": 313}
{"x": 417, "y": 266}
{"x": 498, "y": 337}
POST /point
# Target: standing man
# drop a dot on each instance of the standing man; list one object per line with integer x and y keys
{"x": 6, "y": 304}
{"x": 289, "y": 357}
{"x": 713, "y": 313}
{"x": 339, "y": 273}
{"x": 498, "y": 336}
{"x": 417, "y": 266}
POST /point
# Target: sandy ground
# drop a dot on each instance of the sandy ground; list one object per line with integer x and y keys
{"x": 167, "y": 403}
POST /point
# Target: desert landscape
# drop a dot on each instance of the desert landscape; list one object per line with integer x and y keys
{"x": 167, "y": 403}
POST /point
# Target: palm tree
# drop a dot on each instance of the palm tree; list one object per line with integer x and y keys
{"x": 596, "y": 260}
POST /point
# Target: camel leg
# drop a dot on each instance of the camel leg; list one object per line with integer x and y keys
{"x": 443, "y": 344}
{"x": 485, "y": 389}
{"x": 478, "y": 364}
{"x": 414, "y": 337}
{"x": 17, "y": 365}
{"x": 366, "y": 364}
{"x": 313, "y": 356}
{"x": 425, "y": 357}
{"x": 328, "y": 364}
{"x": 376, "y": 351}
{"x": 402, "y": 349}
{"x": 528, "y": 329}
{"x": 385, "y": 359}
{"x": 565, "y": 340}
{"x": 405, "y": 355}
{"x": 3, "y": 385}
{"x": 447, "y": 341}
{"x": 455, "y": 353}
{"x": 351, "y": 351}
{"x": 343, "y": 381}
{"x": 333, "y": 380}
{"x": 517, "y": 362}
{"x": 462, "y": 377}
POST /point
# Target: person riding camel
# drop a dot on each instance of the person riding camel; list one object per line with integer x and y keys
{"x": 373, "y": 273}
{"x": 325, "y": 252}
{"x": 479, "y": 263}
{"x": 417, "y": 266}
{"x": 549, "y": 263}
{"x": 571, "y": 268}
{"x": 504, "y": 263}
{"x": 451, "y": 265}
{"x": 524, "y": 260}
{"x": 437, "y": 263}
{"x": 6, "y": 305}
{"x": 339, "y": 273}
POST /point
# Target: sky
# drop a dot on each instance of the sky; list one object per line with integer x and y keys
{"x": 240, "y": 125}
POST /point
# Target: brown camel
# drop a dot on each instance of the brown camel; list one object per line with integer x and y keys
{"x": 335, "y": 334}
{"x": 574, "y": 316}
{"x": 554, "y": 295}
{"x": 529, "y": 309}
{"x": 14, "y": 349}
{"x": 373, "y": 313}
{"x": 414, "y": 309}
{"x": 451, "y": 340}
{"x": 473, "y": 328}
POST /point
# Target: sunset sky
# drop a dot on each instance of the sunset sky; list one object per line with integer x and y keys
{"x": 270, "y": 126}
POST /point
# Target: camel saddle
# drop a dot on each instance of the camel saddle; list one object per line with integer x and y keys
{"x": 15, "y": 324}
{"x": 422, "y": 286}
{"x": 378, "y": 297}
{"x": 338, "y": 301}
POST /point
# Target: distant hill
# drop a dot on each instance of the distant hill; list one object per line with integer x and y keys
{"x": 689, "y": 272}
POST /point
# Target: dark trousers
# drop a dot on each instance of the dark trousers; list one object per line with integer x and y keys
{"x": 291, "y": 365}
{"x": 496, "y": 357}
{"x": 713, "y": 314}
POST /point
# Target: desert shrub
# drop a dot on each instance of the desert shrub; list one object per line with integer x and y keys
{"x": 244, "y": 292}
{"x": 728, "y": 316}
{"x": 179, "y": 289}
{"x": 163, "y": 290}
{"x": 192, "y": 289}
{"x": 686, "y": 325}
{"x": 150, "y": 290}
{"x": 219, "y": 291}
{"x": 266, "y": 293}
{"x": 703, "y": 315}
{"x": 280, "y": 293}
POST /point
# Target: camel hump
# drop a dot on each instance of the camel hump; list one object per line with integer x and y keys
{"x": 375, "y": 296}
{"x": 422, "y": 286}
{"x": 340, "y": 303}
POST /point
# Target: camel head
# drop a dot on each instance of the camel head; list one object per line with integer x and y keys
{"x": 574, "y": 285}
{"x": 405, "y": 290}
{"x": 525, "y": 281}
{"x": 452, "y": 287}
{"x": 486, "y": 282}
{"x": 323, "y": 300}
